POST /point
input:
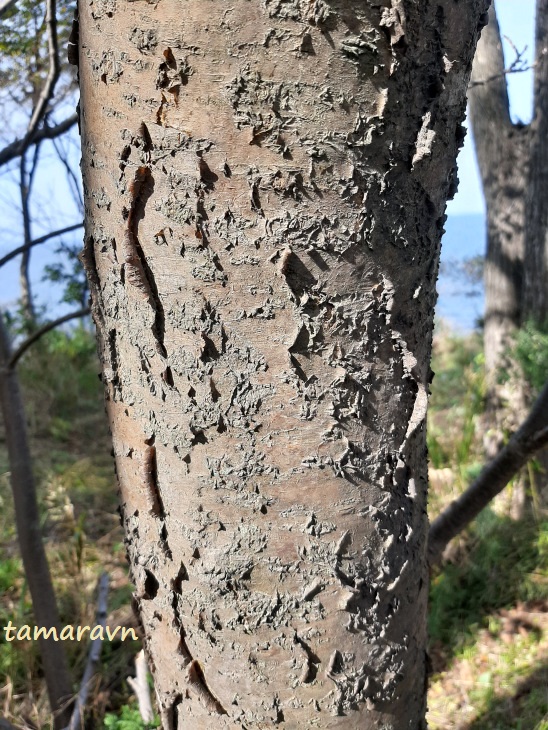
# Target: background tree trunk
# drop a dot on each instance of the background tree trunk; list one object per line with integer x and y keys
{"x": 513, "y": 163}
{"x": 536, "y": 241}
{"x": 265, "y": 192}
{"x": 502, "y": 151}
{"x": 29, "y": 537}
{"x": 535, "y": 306}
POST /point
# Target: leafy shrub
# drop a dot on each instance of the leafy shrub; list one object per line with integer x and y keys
{"x": 531, "y": 352}
{"x": 128, "y": 719}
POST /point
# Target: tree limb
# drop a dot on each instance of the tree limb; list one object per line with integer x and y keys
{"x": 35, "y": 242}
{"x": 53, "y": 73}
{"x": 24, "y": 346}
{"x": 531, "y": 436}
{"x": 76, "y": 721}
{"x": 14, "y": 149}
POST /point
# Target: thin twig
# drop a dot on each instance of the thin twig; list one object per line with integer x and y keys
{"x": 93, "y": 656}
{"x": 74, "y": 183}
{"x": 14, "y": 149}
{"x": 42, "y": 239}
{"x": 24, "y": 346}
{"x": 518, "y": 65}
{"x": 53, "y": 73}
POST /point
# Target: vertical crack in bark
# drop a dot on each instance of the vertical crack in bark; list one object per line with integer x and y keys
{"x": 196, "y": 679}
{"x": 150, "y": 476}
{"x": 311, "y": 661}
{"x": 138, "y": 271}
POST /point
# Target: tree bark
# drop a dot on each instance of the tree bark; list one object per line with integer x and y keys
{"x": 502, "y": 153}
{"x": 535, "y": 306}
{"x": 265, "y": 192}
{"x": 29, "y": 535}
{"x": 536, "y": 241}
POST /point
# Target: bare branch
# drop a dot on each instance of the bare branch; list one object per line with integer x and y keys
{"x": 24, "y": 346}
{"x": 42, "y": 239}
{"x": 531, "y": 436}
{"x": 53, "y": 73}
{"x": 73, "y": 180}
{"x": 518, "y": 65}
{"x": 76, "y": 721}
{"x": 139, "y": 685}
{"x": 14, "y": 149}
{"x": 488, "y": 102}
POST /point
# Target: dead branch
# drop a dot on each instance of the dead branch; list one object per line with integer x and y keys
{"x": 531, "y": 436}
{"x": 519, "y": 65}
{"x": 139, "y": 685}
{"x": 76, "y": 721}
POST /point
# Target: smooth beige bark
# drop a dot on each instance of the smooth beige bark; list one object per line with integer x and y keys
{"x": 265, "y": 192}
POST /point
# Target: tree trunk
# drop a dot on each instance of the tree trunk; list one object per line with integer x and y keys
{"x": 29, "y": 536}
{"x": 27, "y": 303}
{"x": 502, "y": 151}
{"x": 536, "y": 241}
{"x": 502, "y": 155}
{"x": 513, "y": 162}
{"x": 265, "y": 192}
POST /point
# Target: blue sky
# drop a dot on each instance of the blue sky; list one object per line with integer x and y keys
{"x": 516, "y": 21}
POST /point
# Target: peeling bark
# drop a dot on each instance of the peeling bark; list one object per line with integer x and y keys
{"x": 265, "y": 192}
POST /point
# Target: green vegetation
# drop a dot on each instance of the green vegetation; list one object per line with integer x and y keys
{"x": 488, "y": 617}
{"x": 531, "y": 353}
{"x": 128, "y": 719}
{"x": 488, "y": 605}
{"x": 78, "y": 497}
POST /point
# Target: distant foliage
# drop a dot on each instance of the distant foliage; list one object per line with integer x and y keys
{"x": 531, "y": 352}
{"x": 128, "y": 719}
{"x": 506, "y": 563}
